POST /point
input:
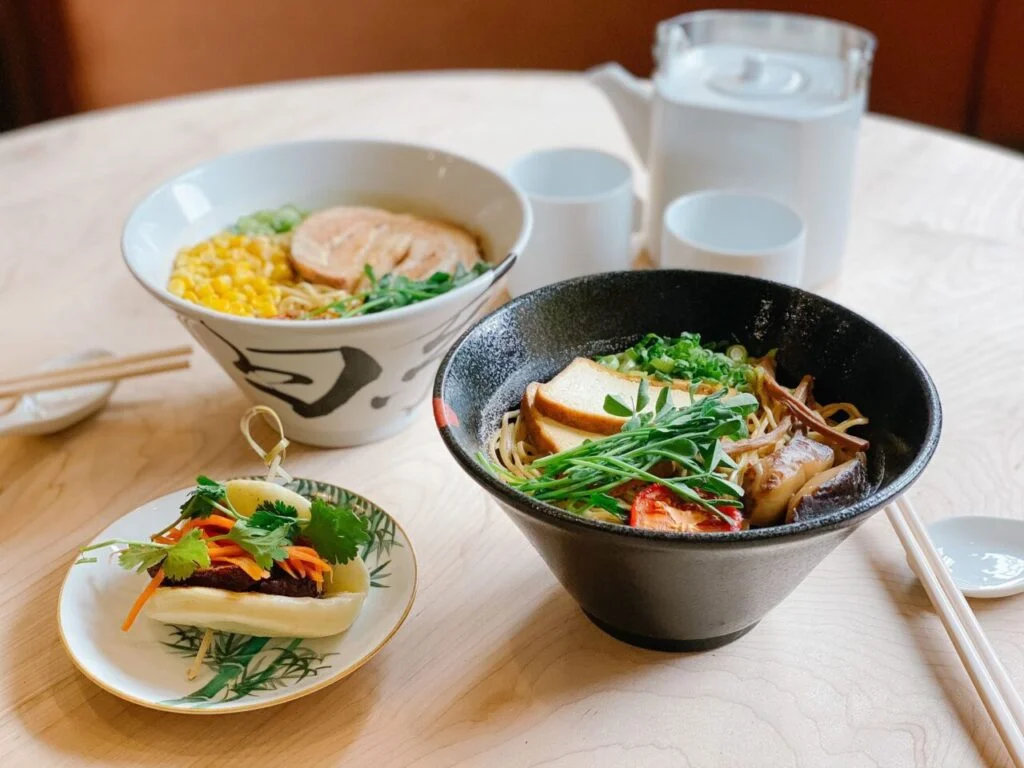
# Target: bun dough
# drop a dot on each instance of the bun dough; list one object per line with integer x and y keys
{"x": 246, "y": 495}
{"x": 261, "y": 615}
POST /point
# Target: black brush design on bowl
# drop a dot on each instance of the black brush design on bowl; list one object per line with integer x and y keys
{"x": 358, "y": 369}
{"x": 686, "y": 591}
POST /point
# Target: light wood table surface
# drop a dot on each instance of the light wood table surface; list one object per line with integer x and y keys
{"x": 496, "y": 666}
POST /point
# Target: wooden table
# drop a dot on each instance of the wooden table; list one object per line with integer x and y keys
{"x": 496, "y": 666}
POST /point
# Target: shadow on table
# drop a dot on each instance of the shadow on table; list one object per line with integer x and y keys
{"x": 552, "y": 656}
{"x": 60, "y": 708}
{"x": 914, "y": 607}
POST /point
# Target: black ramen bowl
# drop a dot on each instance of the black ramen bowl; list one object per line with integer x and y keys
{"x": 684, "y": 592}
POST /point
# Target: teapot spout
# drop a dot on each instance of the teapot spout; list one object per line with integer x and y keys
{"x": 630, "y": 99}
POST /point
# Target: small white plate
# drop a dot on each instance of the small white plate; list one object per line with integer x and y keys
{"x": 147, "y": 664}
{"x": 47, "y": 412}
{"x": 984, "y": 554}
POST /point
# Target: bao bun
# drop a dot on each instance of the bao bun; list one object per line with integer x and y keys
{"x": 263, "y": 615}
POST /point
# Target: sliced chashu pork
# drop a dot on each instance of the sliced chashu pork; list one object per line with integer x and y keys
{"x": 575, "y": 397}
{"x": 334, "y": 246}
{"x": 769, "y": 483}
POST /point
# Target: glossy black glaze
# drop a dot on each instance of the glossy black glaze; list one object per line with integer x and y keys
{"x": 671, "y": 591}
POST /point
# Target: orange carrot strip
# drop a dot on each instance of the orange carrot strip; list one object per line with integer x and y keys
{"x": 316, "y": 576}
{"x": 287, "y": 568}
{"x": 220, "y": 550}
{"x": 164, "y": 540}
{"x": 218, "y": 521}
{"x": 147, "y": 593}
{"x": 305, "y": 557}
{"x": 300, "y": 570}
{"x": 248, "y": 565}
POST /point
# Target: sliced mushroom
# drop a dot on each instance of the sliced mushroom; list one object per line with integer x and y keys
{"x": 828, "y": 491}
{"x": 769, "y": 483}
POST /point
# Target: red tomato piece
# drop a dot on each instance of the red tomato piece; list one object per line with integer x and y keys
{"x": 656, "y": 508}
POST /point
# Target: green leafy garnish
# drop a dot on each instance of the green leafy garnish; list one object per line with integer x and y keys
{"x": 270, "y": 222}
{"x": 270, "y": 515}
{"x": 683, "y": 357}
{"x": 582, "y": 477}
{"x": 186, "y": 556}
{"x": 201, "y": 501}
{"x": 179, "y": 560}
{"x": 393, "y": 291}
{"x": 265, "y": 546}
{"x": 141, "y": 556}
{"x": 335, "y": 532}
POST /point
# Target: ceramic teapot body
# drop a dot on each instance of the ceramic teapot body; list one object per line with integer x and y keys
{"x": 754, "y": 101}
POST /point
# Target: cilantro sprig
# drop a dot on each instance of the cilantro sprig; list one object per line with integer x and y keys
{"x": 179, "y": 560}
{"x": 335, "y": 532}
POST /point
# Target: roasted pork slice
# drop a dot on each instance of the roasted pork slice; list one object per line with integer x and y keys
{"x": 575, "y": 397}
{"x": 231, "y": 578}
{"x": 335, "y": 246}
{"x": 769, "y": 482}
{"x": 829, "y": 491}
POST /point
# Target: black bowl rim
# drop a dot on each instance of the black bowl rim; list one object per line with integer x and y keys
{"x": 558, "y": 516}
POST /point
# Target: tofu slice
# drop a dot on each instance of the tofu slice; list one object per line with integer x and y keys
{"x": 545, "y": 433}
{"x": 575, "y": 397}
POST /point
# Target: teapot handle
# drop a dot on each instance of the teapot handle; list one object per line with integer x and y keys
{"x": 631, "y": 98}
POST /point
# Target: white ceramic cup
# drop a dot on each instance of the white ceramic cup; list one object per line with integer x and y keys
{"x": 742, "y": 233}
{"x": 584, "y": 214}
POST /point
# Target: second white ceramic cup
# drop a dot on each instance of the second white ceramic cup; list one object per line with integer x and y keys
{"x": 742, "y": 233}
{"x": 584, "y": 213}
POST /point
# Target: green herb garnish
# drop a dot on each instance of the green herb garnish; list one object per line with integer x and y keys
{"x": 270, "y": 515}
{"x": 202, "y": 501}
{"x": 265, "y": 546}
{"x": 270, "y": 222}
{"x": 393, "y": 291}
{"x": 179, "y": 560}
{"x": 688, "y": 437}
{"x": 335, "y": 532}
{"x": 683, "y": 357}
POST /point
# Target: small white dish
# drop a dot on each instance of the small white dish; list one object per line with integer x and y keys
{"x": 741, "y": 233}
{"x": 985, "y": 555}
{"x": 147, "y": 665}
{"x": 584, "y": 215}
{"x": 47, "y": 412}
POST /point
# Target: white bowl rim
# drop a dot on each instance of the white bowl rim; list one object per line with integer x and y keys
{"x": 187, "y": 307}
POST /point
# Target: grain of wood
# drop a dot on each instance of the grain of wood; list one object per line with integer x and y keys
{"x": 495, "y": 666}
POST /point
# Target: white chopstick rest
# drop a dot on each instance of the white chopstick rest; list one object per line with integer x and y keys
{"x": 1000, "y": 698}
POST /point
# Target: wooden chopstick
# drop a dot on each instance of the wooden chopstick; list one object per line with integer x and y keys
{"x": 1000, "y": 698}
{"x": 99, "y": 363}
{"x": 61, "y": 380}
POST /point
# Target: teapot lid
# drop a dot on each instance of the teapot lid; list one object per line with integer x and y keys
{"x": 773, "y": 63}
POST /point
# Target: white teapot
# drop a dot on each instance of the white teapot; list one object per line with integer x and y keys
{"x": 765, "y": 102}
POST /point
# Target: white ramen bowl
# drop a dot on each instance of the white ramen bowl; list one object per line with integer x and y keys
{"x": 335, "y": 382}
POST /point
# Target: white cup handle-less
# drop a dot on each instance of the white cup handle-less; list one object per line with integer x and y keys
{"x": 741, "y": 233}
{"x": 584, "y": 215}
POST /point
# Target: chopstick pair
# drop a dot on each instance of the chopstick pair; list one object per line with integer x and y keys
{"x": 989, "y": 676}
{"x": 93, "y": 371}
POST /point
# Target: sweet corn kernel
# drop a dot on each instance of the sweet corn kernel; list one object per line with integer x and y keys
{"x": 234, "y": 273}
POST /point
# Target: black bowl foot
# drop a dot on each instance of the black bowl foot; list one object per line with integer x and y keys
{"x": 668, "y": 644}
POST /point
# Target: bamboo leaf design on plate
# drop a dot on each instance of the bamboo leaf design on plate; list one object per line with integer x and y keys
{"x": 245, "y": 666}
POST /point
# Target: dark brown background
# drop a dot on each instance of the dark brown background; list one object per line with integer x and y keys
{"x": 956, "y": 64}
